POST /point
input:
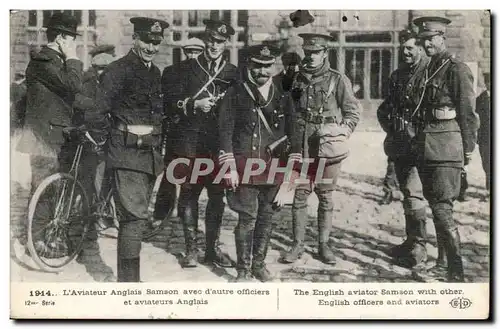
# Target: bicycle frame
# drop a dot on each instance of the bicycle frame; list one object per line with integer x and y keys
{"x": 73, "y": 172}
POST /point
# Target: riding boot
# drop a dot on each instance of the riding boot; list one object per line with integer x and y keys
{"x": 455, "y": 264}
{"x": 443, "y": 218}
{"x": 413, "y": 250}
{"x": 189, "y": 217}
{"x": 244, "y": 240}
{"x": 299, "y": 220}
{"x": 404, "y": 248}
{"x": 325, "y": 215}
{"x": 128, "y": 270}
{"x": 261, "y": 239}
{"x": 213, "y": 222}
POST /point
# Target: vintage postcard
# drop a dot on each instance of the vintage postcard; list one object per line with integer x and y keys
{"x": 314, "y": 164}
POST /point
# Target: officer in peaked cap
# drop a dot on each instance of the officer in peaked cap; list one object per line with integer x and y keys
{"x": 193, "y": 47}
{"x": 431, "y": 25}
{"x": 149, "y": 29}
{"x": 129, "y": 103}
{"x": 447, "y": 135}
{"x": 301, "y": 18}
{"x": 193, "y": 91}
{"x": 325, "y": 107}
{"x": 243, "y": 136}
{"x": 315, "y": 41}
{"x": 218, "y": 29}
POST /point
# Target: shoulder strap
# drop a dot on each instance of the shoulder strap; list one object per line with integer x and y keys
{"x": 259, "y": 111}
{"x": 210, "y": 80}
{"x": 331, "y": 86}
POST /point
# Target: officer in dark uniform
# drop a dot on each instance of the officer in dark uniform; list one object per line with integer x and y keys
{"x": 192, "y": 96}
{"x": 395, "y": 117}
{"x": 446, "y": 136}
{"x": 327, "y": 110}
{"x": 245, "y": 135}
{"x": 130, "y": 96}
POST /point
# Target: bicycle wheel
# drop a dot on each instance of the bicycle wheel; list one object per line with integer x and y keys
{"x": 161, "y": 204}
{"x": 58, "y": 220}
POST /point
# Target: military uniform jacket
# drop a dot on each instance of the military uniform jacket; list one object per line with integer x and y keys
{"x": 449, "y": 84}
{"x": 130, "y": 94}
{"x": 242, "y": 132}
{"x": 52, "y": 83}
{"x": 309, "y": 99}
{"x": 396, "y": 113}
{"x": 195, "y": 131}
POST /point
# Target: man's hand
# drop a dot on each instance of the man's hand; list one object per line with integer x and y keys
{"x": 204, "y": 104}
{"x": 232, "y": 179}
{"x": 67, "y": 47}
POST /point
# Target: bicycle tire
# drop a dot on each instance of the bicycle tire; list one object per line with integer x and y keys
{"x": 44, "y": 185}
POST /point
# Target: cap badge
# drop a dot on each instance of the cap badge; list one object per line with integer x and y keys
{"x": 222, "y": 29}
{"x": 156, "y": 27}
{"x": 265, "y": 51}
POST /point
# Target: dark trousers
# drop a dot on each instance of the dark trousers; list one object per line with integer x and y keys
{"x": 325, "y": 206}
{"x": 484, "y": 151}
{"x": 188, "y": 212}
{"x": 132, "y": 193}
{"x": 254, "y": 205}
{"x": 441, "y": 186}
{"x": 390, "y": 180}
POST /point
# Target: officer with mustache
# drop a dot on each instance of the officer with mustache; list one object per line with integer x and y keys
{"x": 446, "y": 135}
{"x": 192, "y": 97}
{"x": 253, "y": 115}
{"x": 129, "y": 105}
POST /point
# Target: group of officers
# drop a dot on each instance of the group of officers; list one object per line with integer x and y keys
{"x": 216, "y": 111}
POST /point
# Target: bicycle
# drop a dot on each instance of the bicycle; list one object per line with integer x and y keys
{"x": 59, "y": 216}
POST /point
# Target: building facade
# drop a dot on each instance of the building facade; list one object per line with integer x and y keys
{"x": 365, "y": 48}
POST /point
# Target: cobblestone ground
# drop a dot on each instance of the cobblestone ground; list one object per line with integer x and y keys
{"x": 362, "y": 232}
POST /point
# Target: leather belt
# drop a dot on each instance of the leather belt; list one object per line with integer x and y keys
{"x": 139, "y": 130}
{"x": 318, "y": 118}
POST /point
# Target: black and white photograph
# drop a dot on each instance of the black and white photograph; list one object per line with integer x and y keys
{"x": 251, "y": 146}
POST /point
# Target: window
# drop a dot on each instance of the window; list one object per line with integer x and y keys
{"x": 367, "y": 53}
{"x": 38, "y": 20}
{"x": 189, "y": 23}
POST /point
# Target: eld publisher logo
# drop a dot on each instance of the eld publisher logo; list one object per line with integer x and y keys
{"x": 460, "y": 302}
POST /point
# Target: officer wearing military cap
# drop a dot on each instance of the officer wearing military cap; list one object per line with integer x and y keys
{"x": 192, "y": 49}
{"x": 192, "y": 96}
{"x": 129, "y": 104}
{"x": 395, "y": 117}
{"x": 446, "y": 135}
{"x": 53, "y": 78}
{"x": 325, "y": 106}
{"x": 244, "y": 135}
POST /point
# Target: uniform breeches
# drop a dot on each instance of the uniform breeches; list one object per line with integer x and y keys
{"x": 325, "y": 206}
{"x": 254, "y": 205}
{"x": 410, "y": 184}
{"x": 132, "y": 193}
